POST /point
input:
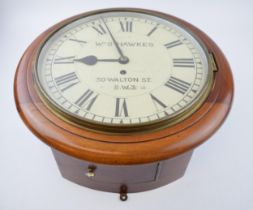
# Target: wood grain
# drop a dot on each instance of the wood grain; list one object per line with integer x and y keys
{"x": 131, "y": 148}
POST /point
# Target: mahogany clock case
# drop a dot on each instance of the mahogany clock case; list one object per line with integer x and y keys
{"x": 80, "y": 147}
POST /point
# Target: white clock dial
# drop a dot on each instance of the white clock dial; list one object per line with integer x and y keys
{"x": 123, "y": 68}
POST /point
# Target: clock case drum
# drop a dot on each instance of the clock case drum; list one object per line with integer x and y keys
{"x": 118, "y": 162}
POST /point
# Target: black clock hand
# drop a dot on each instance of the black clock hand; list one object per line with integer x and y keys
{"x": 123, "y": 59}
{"x": 92, "y": 60}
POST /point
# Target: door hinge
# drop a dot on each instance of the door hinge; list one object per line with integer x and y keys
{"x": 212, "y": 62}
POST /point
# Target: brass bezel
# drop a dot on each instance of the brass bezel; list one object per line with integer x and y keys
{"x": 124, "y": 128}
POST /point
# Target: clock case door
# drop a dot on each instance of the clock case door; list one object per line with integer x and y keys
{"x": 111, "y": 178}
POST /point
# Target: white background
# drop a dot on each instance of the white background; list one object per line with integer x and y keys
{"x": 220, "y": 174}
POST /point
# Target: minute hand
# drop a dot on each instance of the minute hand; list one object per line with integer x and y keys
{"x": 123, "y": 59}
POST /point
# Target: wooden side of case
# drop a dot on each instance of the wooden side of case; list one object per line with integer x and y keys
{"x": 110, "y": 178}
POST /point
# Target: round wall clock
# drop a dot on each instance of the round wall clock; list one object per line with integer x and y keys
{"x": 123, "y": 96}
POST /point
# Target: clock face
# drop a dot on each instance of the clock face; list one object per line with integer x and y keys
{"x": 123, "y": 69}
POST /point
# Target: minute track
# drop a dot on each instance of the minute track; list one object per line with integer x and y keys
{"x": 122, "y": 96}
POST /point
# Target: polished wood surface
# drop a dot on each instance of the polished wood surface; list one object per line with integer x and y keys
{"x": 130, "y": 148}
{"x": 137, "y": 178}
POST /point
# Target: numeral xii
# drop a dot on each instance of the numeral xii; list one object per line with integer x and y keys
{"x": 126, "y": 26}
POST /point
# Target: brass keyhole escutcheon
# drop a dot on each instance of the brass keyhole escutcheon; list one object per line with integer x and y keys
{"x": 91, "y": 171}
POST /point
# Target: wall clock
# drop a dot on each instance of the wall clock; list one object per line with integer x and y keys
{"x": 123, "y": 96}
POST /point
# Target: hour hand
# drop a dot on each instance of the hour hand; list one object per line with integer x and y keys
{"x": 92, "y": 60}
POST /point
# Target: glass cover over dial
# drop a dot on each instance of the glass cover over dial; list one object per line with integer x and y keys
{"x": 123, "y": 69}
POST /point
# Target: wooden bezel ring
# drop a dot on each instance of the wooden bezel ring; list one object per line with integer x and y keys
{"x": 132, "y": 148}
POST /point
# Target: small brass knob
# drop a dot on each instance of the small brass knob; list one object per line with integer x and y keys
{"x": 90, "y": 173}
{"x": 123, "y": 193}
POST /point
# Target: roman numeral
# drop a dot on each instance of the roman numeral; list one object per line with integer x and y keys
{"x": 99, "y": 29}
{"x": 126, "y": 26}
{"x": 78, "y": 40}
{"x": 121, "y": 108}
{"x": 178, "y": 85}
{"x": 86, "y": 100}
{"x": 173, "y": 44}
{"x": 157, "y": 102}
{"x": 183, "y": 62}
{"x": 66, "y": 81}
{"x": 152, "y": 31}
{"x": 64, "y": 60}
